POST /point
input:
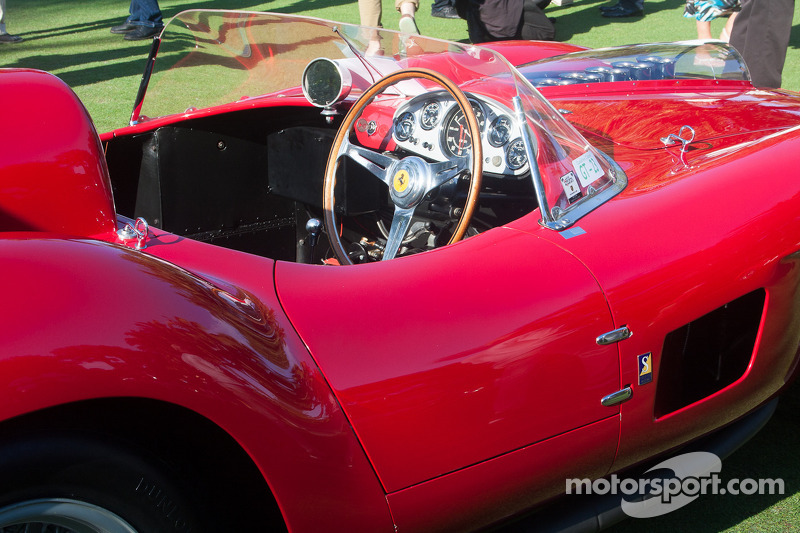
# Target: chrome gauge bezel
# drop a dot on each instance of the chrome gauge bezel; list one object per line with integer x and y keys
{"x": 404, "y": 134}
{"x": 451, "y": 117}
{"x": 430, "y": 114}
{"x": 520, "y": 146}
{"x": 501, "y": 121}
{"x": 325, "y": 82}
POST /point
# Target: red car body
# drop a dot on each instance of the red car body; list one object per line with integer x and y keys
{"x": 442, "y": 391}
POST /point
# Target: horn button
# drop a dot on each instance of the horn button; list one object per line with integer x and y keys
{"x": 409, "y": 180}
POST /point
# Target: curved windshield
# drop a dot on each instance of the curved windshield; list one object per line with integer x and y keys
{"x": 641, "y": 62}
{"x": 239, "y": 59}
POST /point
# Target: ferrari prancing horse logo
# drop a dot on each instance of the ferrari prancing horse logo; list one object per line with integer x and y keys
{"x": 400, "y": 181}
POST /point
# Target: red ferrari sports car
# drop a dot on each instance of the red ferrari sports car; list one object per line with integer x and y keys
{"x": 334, "y": 278}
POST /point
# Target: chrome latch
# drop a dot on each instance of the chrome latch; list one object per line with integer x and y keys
{"x": 139, "y": 231}
{"x": 619, "y": 334}
{"x": 673, "y": 139}
{"x": 616, "y": 398}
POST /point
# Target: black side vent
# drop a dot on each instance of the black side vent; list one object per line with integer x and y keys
{"x": 708, "y": 354}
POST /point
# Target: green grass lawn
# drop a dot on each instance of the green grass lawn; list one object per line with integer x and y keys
{"x": 71, "y": 40}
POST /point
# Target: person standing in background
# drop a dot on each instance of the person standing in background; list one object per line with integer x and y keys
{"x": 623, "y": 8}
{"x": 5, "y": 37}
{"x": 761, "y": 34}
{"x": 144, "y": 21}
{"x": 370, "y": 12}
{"x": 445, "y": 9}
{"x": 704, "y": 11}
{"x": 503, "y": 20}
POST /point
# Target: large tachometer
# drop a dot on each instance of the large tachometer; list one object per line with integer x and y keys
{"x": 457, "y": 139}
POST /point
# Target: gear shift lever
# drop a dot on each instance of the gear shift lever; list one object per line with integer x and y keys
{"x": 314, "y": 228}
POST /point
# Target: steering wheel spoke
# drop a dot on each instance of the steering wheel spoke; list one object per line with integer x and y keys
{"x": 401, "y": 221}
{"x": 447, "y": 170}
{"x": 376, "y": 163}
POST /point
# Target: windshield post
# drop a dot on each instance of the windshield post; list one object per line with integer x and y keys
{"x": 527, "y": 139}
{"x": 148, "y": 71}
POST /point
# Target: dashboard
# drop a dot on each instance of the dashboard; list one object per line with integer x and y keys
{"x": 432, "y": 126}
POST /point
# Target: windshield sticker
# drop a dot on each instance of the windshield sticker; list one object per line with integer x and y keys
{"x": 571, "y": 188}
{"x": 588, "y": 169}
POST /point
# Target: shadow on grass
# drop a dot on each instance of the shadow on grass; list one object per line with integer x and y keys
{"x": 122, "y": 58}
{"x": 588, "y": 17}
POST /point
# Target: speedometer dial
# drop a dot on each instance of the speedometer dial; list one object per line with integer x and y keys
{"x": 457, "y": 139}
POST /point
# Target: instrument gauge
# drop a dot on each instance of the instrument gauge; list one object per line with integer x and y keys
{"x": 500, "y": 131}
{"x": 516, "y": 156}
{"x": 430, "y": 115}
{"x": 404, "y": 126}
{"x": 457, "y": 139}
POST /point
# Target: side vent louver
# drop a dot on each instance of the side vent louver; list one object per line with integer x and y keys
{"x": 708, "y": 354}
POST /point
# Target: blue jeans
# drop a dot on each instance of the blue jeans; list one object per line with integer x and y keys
{"x": 638, "y": 4}
{"x": 145, "y": 13}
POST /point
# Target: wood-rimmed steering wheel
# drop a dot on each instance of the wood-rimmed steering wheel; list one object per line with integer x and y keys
{"x": 409, "y": 179}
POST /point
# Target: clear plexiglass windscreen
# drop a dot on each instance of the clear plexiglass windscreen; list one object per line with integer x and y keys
{"x": 641, "y": 62}
{"x": 213, "y": 58}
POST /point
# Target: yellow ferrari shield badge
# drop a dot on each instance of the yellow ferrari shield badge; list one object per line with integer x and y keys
{"x": 400, "y": 181}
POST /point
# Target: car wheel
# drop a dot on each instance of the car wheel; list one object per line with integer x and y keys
{"x": 60, "y": 516}
{"x": 75, "y": 484}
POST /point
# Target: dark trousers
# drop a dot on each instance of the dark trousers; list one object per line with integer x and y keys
{"x": 439, "y": 4}
{"x": 761, "y": 34}
{"x": 533, "y": 25}
{"x": 145, "y": 13}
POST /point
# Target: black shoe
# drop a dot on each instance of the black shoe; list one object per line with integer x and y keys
{"x": 446, "y": 12}
{"x": 623, "y": 12}
{"x": 610, "y": 7}
{"x": 123, "y": 28}
{"x": 143, "y": 32}
{"x": 7, "y": 38}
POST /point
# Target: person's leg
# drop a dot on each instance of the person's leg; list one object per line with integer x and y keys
{"x": 370, "y": 13}
{"x": 535, "y": 24}
{"x": 444, "y": 9}
{"x": 625, "y": 8}
{"x": 145, "y": 13}
{"x": 761, "y": 34}
{"x": 407, "y": 9}
{"x": 5, "y": 37}
{"x": 703, "y": 29}
{"x": 3, "y": 17}
{"x": 633, "y": 4}
{"x": 725, "y": 35}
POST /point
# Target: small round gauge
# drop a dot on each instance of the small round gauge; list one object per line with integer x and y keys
{"x": 516, "y": 156}
{"x": 430, "y": 114}
{"x": 404, "y": 126}
{"x": 500, "y": 131}
{"x": 457, "y": 139}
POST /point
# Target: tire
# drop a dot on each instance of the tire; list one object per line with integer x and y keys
{"x": 76, "y": 484}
